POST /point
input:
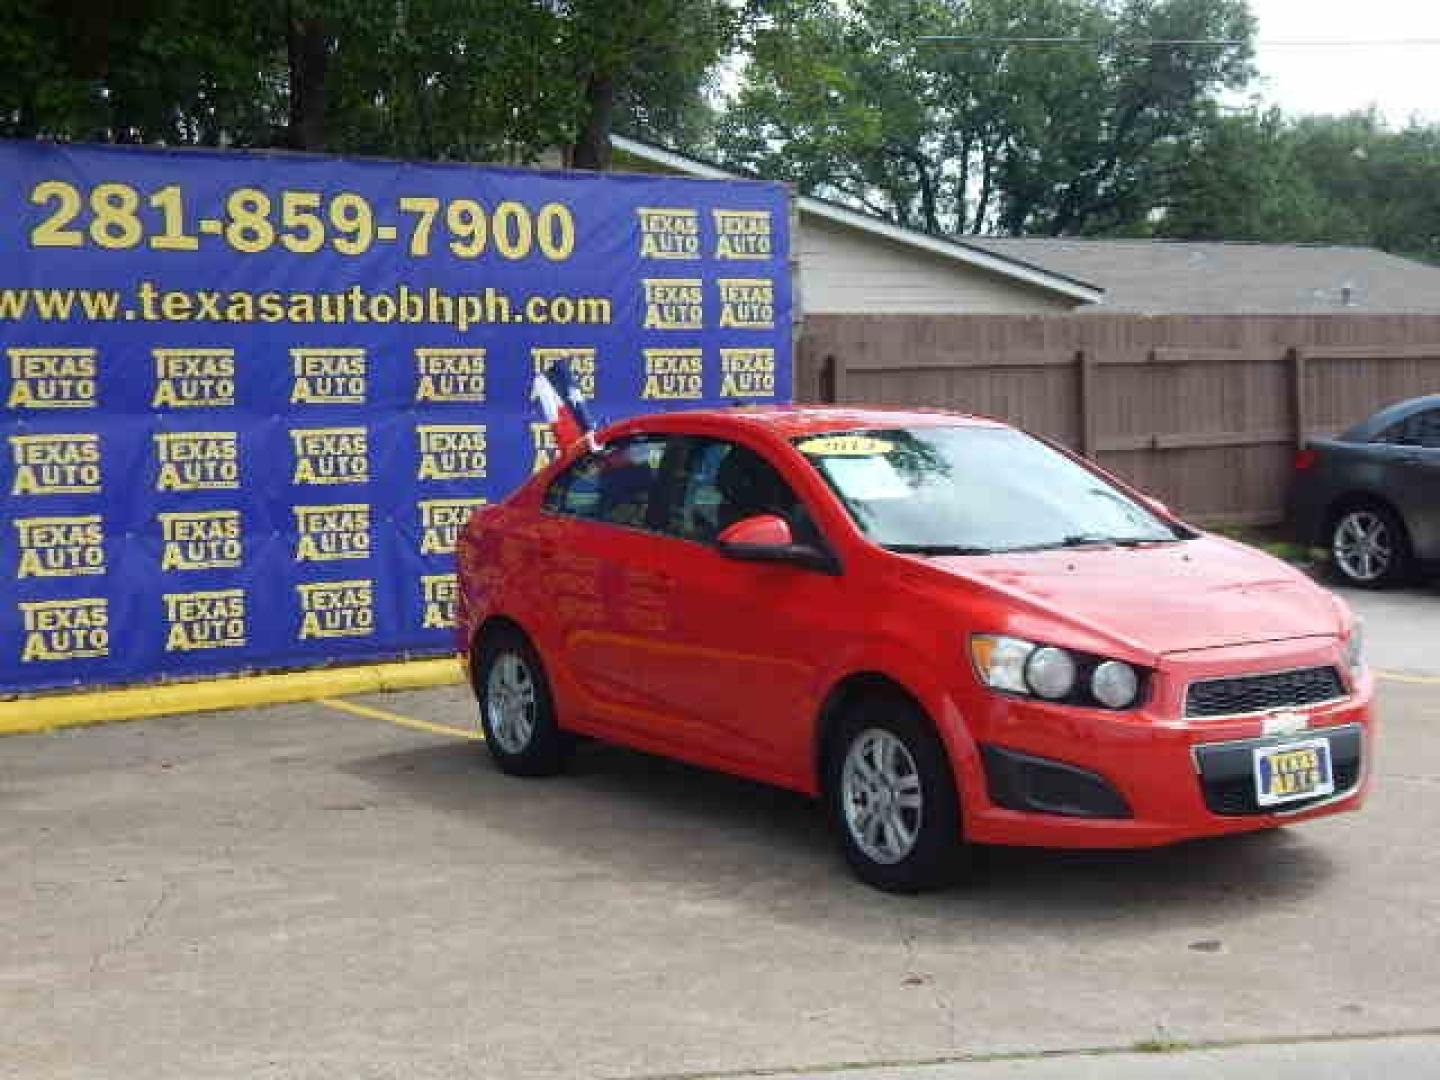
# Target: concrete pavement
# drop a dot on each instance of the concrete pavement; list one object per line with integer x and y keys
{"x": 1330, "y": 1059}
{"x": 303, "y": 892}
{"x": 1402, "y": 626}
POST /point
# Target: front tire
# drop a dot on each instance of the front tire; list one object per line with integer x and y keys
{"x": 517, "y": 711}
{"x": 892, "y": 799}
{"x": 1369, "y": 547}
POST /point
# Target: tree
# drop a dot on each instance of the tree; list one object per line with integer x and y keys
{"x": 175, "y": 71}
{"x": 1241, "y": 179}
{"x": 643, "y": 59}
{"x": 472, "y": 79}
{"x": 978, "y": 134}
{"x": 1256, "y": 175}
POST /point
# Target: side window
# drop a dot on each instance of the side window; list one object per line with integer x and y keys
{"x": 617, "y": 484}
{"x": 1419, "y": 429}
{"x": 1428, "y": 434}
{"x": 724, "y": 483}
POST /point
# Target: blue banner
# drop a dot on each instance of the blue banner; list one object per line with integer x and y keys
{"x": 247, "y": 400}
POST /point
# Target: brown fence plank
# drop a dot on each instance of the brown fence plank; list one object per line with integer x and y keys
{"x": 1009, "y": 360}
{"x": 1371, "y": 352}
{"x": 1194, "y": 440}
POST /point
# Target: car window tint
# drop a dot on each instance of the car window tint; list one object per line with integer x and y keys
{"x": 723, "y": 483}
{"x": 1398, "y": 434}
{"x": 1418, "y": 429}
{"x": 617, "y": 484}
{"x": 1427, "y": 429}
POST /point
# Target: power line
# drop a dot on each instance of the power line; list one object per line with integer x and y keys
{"x": 1215, "y": 43}
{"x": 982, "y": 39}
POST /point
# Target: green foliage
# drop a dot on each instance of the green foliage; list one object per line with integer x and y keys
{"x": 1112, "y": 136}
{"x": 470, "y": 79}
{"x": 848, "y": 100}
{"x": 450, "y": 79}
{"x": 1241, "y": 180}
{"x": 131, "y": 71}
{"x": 659, "y": 52}
{"x": 1334, "y": 179}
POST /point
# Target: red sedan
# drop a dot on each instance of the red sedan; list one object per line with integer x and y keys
{"x": 950, "y": 631}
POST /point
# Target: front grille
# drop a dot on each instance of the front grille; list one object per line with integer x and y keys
{"x": 1227, "y": 774}
{"x": 1263, "y": 693}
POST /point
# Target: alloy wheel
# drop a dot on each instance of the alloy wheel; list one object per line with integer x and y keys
{"x": 1363, "y": 546}
{"x": 510, "y": 702}
{"x": 882, "y": 796}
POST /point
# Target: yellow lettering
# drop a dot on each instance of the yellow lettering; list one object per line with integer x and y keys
{"x": 65, "y": 629}
{"x": 336, "y": 609}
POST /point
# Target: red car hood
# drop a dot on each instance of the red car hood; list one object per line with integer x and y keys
{"x": 1197, "y": 594}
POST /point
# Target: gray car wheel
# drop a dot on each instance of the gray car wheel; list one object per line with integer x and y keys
{"x": 517, "y": 712}
{"x": 1368, "y": 546}
{"x": 892, "y": 797}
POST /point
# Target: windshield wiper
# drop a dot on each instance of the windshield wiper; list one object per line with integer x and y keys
{"x": 937, "y": 549}
{"x": 1095, "y": 540}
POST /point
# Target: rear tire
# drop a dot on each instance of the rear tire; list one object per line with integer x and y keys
{"x": 1369, "y": 547}
{"x": 516, "y": 709}
{"x": 891, "y": 798}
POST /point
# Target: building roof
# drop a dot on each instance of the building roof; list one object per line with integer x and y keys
{"x": 1013, "y": 267}
{"x": 1184, "y": 277}
{"x": 1146, "y": 276}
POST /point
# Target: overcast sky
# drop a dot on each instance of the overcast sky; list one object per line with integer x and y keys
{"x": 1402, "y": 80}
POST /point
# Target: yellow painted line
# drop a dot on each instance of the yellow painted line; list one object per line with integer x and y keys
{"x": 50, "y": 711}
{"x": 1418, "y": 680}
{"x": 372, "y": 713}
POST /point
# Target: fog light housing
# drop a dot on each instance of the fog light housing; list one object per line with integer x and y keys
{"x": 1036, "y": 785}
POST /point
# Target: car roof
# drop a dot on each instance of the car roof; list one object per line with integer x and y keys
{"x": 795, "y": 421}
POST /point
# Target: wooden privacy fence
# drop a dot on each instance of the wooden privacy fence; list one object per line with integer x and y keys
{"x": 1203, "y": 411}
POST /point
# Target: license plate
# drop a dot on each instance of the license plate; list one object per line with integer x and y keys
{"x": 1291, "y": 771}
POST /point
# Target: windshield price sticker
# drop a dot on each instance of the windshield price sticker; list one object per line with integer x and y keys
{"x": 845, "y": 446}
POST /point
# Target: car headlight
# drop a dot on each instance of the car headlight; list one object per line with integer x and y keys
{"x": 1016, "y": 666}
{"x": 1050, "y": 672}
{"x": 1355, "y": 648}
{"x": 1115, "y": 684}
{"x": 1000, "y": 661}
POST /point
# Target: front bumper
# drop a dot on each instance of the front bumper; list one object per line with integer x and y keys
{"x": 1180, "y": 779}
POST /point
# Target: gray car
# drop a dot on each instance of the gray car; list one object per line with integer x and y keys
{"x": 1372, "y": 495}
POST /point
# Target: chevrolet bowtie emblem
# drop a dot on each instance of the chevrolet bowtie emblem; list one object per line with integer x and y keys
{"x": 1284, "y": 722}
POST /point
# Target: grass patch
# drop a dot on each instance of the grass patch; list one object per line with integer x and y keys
{"x": 1274, "y": 542}
{"x": 1161, "y": 1044}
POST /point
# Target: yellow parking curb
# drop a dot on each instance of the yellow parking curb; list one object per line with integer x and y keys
{"x": 72, "y": 710}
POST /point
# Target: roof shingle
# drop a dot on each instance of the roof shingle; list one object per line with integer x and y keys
{"x": 1162, "y": 277}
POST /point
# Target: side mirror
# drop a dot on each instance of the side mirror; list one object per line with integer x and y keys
{"x": 767, "y": 538}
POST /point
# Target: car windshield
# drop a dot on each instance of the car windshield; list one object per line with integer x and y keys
{"x": 969, "y": 489}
